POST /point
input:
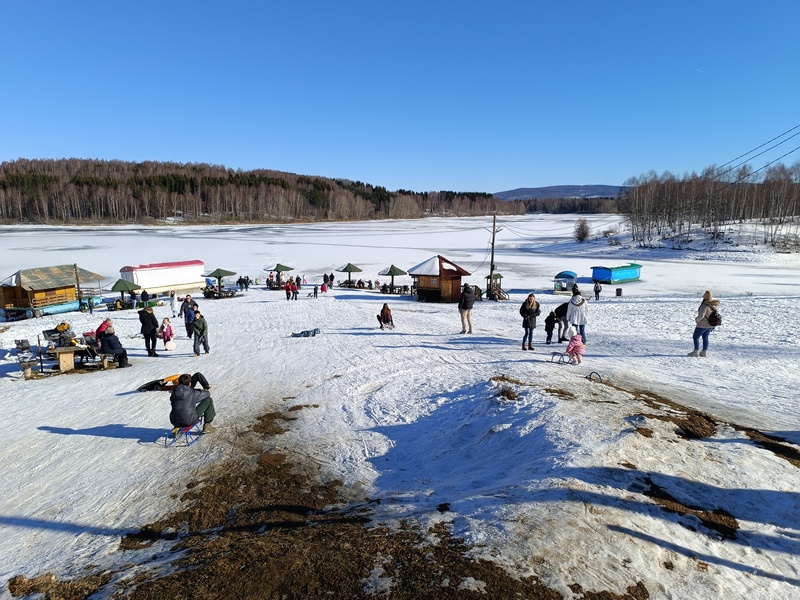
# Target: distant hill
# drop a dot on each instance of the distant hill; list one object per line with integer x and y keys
{"x": 563, "y": 191}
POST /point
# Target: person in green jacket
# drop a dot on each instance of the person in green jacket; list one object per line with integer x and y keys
{"x": 200, "y": 328}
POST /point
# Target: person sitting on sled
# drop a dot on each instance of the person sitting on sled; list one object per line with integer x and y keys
{"x": 385, "y": 317}
{"x": 189, "y": 405}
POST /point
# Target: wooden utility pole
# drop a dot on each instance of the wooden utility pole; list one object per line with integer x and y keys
{"x": 491, "y": 262}
{"x": 490, "y": 293}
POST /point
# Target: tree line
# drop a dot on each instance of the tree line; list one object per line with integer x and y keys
{"x": 676, "y": 210}
{"x": 99, "y": 191}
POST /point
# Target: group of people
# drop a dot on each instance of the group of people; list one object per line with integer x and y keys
{"x": 243, "y": 283}
{"x": 196, "y": 327}
{"x": 571, "y": 318}
{"x": 195, "y": 323}
{"x": 292, "y": 288}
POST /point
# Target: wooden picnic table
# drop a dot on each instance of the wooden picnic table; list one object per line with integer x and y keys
{"x": 66, "y": 356}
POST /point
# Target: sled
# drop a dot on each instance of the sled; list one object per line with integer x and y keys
{"x": 189, "y": 434}
{"x": 559, "y": 357}
{"x": 167, "y": 383}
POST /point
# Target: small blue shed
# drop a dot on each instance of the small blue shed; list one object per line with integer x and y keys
{"x": 563, "y": 282}
{"x": 621, "y": 274}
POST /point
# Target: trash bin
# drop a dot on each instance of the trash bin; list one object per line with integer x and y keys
{"x": 619, "y": 291}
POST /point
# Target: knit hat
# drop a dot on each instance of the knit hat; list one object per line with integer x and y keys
{"x": 570, "y": 331}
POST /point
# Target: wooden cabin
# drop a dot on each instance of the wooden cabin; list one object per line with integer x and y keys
{"x": 620, "y": 274}
{"x": 438, "y": 280}
{"x": 47, "y": 290}
{"x": 563, "y": 282}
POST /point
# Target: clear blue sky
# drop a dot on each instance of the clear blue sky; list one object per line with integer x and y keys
{"x": 422, "y": 95}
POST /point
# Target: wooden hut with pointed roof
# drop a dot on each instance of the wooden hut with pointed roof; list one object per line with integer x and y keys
{"x": 438, "y": 280}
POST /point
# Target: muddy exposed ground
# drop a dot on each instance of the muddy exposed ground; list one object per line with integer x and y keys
{"x": 256, "y": 527}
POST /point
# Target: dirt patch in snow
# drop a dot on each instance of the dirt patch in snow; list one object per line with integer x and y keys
{"x": 259, "y": 526}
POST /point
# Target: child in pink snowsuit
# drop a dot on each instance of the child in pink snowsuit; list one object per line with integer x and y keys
{"x": 575, "y": 347}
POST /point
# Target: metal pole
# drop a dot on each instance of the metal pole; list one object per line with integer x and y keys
{"x": 78, "y": 285}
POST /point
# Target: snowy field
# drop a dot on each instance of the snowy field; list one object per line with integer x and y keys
{"x": 552, "y": 483}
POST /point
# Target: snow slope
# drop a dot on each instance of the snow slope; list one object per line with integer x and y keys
{"x": 551, "y": 483}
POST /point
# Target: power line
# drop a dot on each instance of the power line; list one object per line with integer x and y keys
{"x": 762, "y": 145}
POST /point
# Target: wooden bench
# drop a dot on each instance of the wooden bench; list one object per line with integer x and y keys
{"x": 27, "y": 365}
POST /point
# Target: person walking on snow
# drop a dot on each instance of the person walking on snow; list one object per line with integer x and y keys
{"x": 702, "y": 326}
{"x": 465, "y": 308}
{"x": 549, "y": 325}
{"x": 165, "y": 331}
{"x": 187, "y": 312}
{"x": 529, "y": 311}
{"x": 173, "y": 303}
{"x": 561, "y": 320}
{"x": 575, "y": 348}
{"x": 149, "y": 329}
{"x": 597, "y": 289}
{"x": 200, "y": 328}
{"x": 577, "y": 313}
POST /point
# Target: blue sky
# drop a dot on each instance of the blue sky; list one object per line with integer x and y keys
{"x": 434, "y": 95}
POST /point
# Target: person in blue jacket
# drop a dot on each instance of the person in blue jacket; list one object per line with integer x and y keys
{"x": 112, "y": 345}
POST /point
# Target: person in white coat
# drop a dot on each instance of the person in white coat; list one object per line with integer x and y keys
{"x": 577, "y": 312}
{"x": 173, "y": 303}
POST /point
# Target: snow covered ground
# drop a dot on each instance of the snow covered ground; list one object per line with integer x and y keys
{"x": 552, "y": 483}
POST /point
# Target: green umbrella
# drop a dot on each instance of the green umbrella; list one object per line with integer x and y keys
{"x": 280, "y": 268}
{"x": 122, "y": 286}
{"x": 349, "y": 268}
{"x": 218, "y": 274}
{"x": 392, "y": 271}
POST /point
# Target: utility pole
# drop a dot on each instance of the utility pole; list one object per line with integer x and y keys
{"x": 78, "y": 285}
{"x": 490, "y": 293}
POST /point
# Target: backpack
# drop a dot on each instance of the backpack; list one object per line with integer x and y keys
{"x": 714, "y": 318}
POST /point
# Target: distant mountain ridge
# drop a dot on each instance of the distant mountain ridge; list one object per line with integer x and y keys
{"x": 563, "y": 191}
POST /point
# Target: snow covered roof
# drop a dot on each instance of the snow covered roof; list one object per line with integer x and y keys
{"x": 48, "y": 278}
{"x": 164, "y": 265}
{"x": 437, "y": 266}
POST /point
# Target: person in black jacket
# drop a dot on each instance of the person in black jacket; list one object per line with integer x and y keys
{"x": 112, "y": 345}
{"x": 529, "y": 311}
{"x": 190, "y": 405}
{"x": 187, "y": 312}
{"x": 549, "y": 325}
{"x": 465, "y": 308}
{"x": 561, "y": 319}
{"x": 149, "y": 329}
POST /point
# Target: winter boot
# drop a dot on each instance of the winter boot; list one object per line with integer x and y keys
{"x": 702, "y": 352}
{"x": 208, "y": 428}
{"x": 530, "y": 347}
{"x": 524, "y": 347}
{"x": 694, "y": 353}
